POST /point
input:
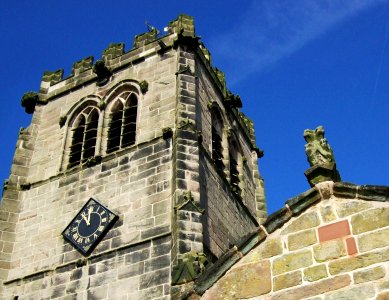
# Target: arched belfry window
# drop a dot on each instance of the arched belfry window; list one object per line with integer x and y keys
{"x": 84, "y": 136}
{"x": 217, "y": 138}
{"x": 122, "y": 124}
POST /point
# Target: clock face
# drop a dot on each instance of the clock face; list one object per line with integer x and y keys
{"x": 89, "y": 226}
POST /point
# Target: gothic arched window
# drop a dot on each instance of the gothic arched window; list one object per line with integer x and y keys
{"x": 217, "y": 138}
{"x": 122, "y": 125}
{"x": 84, "y": 135}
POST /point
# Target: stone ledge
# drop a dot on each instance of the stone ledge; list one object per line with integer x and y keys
{"x": 363, "y": 192}
{"x": 277, "y": 219}
{"x": 301, "y": 202}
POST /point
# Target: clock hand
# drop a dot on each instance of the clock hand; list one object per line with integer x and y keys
{"x": 90, "y": 210}
{"x": 85, "y": 219}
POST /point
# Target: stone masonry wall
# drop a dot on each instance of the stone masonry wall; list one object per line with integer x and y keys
{"x": 136, "y": 186}
{"x": 140, "y": 271}
{"x": 188, "y": 230}
{"x": 135, "y": 183}
{"x": 227, "y": 218}
{"x": 337, "y": 249}
{"x": 208, "y": 93}
{"x": 156, "y": 110}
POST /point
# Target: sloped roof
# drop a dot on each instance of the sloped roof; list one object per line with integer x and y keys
{"x": 293, "y": 208}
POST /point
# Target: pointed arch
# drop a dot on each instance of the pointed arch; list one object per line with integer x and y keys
{"x": 122, "y": 114}
{"x": 83, "y": 131}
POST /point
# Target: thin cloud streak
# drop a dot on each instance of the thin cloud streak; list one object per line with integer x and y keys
{"x": 274, "y": 29}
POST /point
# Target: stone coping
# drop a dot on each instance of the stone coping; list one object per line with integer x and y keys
{"x": 293, "y": 207}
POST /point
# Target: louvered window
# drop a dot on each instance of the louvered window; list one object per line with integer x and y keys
{"x": 217, "y": 140}
{"x": 84, "y": 135}
{"x": 122, "y": 127}
{"x": 234, "y": 170}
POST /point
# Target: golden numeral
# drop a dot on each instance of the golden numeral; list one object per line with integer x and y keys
{"x": 87, "y": 240}
{"x": 75, "y": 236}
{"x": 101, "y": 228}
{"x": 104, "y": 220}
{"x": 95, "y": 236}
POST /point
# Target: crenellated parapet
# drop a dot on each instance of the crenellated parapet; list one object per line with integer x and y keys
{"x": 82, "y": 65}
{"x": 183, "y": 25}
{"x": 179, "y": 32}
{"x": 113, "y": 51}
{"x": 145, "y": 38}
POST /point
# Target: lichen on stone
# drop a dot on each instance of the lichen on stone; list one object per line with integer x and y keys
{"x": 144, "y": 86}
{"x": 189, "y": 267}
{"x": 317, "y": 148}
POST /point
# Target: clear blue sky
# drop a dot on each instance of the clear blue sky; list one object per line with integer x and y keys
{"x": 296, "y": 65}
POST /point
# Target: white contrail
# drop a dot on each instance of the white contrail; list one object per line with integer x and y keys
{"x": 273, "y": 29}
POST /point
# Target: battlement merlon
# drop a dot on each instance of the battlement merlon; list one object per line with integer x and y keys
{"x": 179, "y": 32}
{"x": 115, "y": 57}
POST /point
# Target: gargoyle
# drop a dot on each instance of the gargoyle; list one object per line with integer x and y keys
{"x": 318, "y": 150}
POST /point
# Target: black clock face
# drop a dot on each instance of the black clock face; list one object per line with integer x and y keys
{"x": 89, "y": 226}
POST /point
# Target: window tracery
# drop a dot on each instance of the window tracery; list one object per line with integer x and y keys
{"x": 122, "y": 124}
{"x": 84, "y": 136}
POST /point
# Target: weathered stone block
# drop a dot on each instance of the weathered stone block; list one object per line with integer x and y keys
{"x": 305, "y": 221}
{"x": 155, "y": 231}
{"x": 315, "y": 273}
{"x": 317, "y": 288}
{"x": 352, "y": 263}
{"x": 137, "y": 256}
{"x": 157, "y": 263}
{"x": 370, "y": 220}
{"x": 329, "y": 250}
{"x": 327, "y": 214}
{"x": 287, "y": 280}
{"x": 154, "y": 278}
{"x": 383, "y": 285}
{"x": 292, "y": 262}
{"x": 351, "y": 207}
{"x": 369, "y": 274}
{"x": 255, "y": 278}
{"x": 130, "y": 270}
{"x": 302, "y": 239}
{"x": 358, "y": 292}
{"x": 374, "y": 240}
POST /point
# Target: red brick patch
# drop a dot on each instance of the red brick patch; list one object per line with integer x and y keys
{"x": 351, "y": 246}
{"x": 334, "y": 231}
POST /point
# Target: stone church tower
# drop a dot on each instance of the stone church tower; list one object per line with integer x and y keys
{"x": 155, "y": 137}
